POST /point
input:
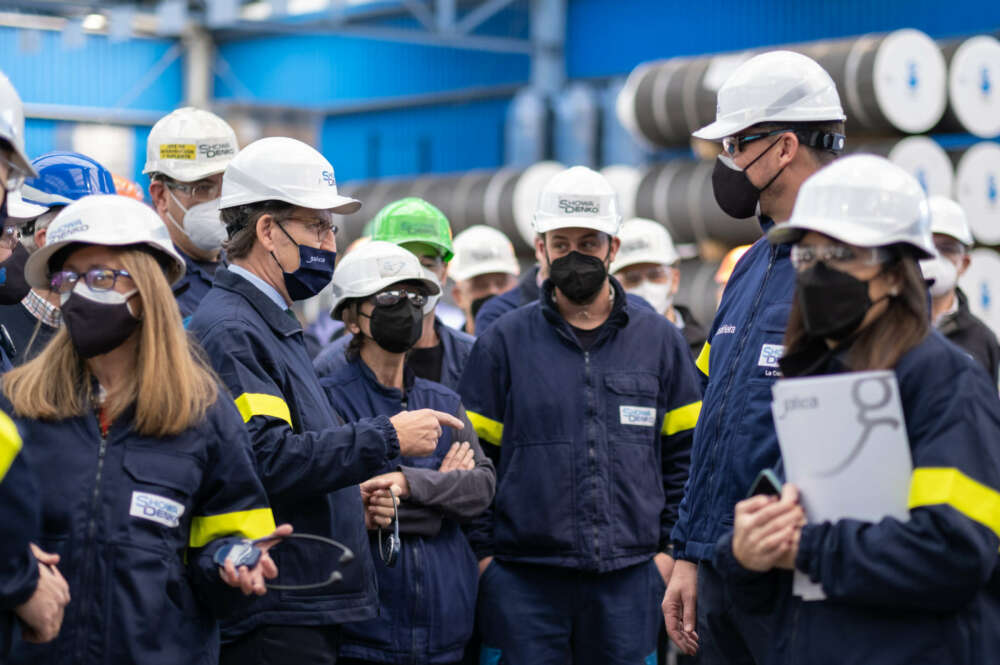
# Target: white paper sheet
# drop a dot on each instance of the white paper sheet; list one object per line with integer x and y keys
{"x": 843, "y": 443}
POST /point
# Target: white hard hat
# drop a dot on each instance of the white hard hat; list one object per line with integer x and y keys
{"x": 20, "y": 210}
{"x": 190, "y": 144}
{"x": 644, "y": 241}
{"x": 481, "y": 250}
{"x": 372, "y": 267}
{"x": 778, "y": 86}
{"x": 948, "y": 218}
{"x": 861, "y": 200}
{"x": 279, "y": 168}
{"x": 104, "y": 219}
{"x": 578, "y": 197}
{"x": 12, "y": 126}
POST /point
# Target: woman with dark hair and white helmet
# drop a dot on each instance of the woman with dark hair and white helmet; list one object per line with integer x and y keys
{"x": 427, "y": 599}
{"x": 915, "y": 591}
{"x": 145, "y": 462}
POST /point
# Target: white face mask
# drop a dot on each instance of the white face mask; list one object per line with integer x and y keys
{"x": 202, "y": 224}
{"x": 432, "y": 301}
{"x": 657, "y": 295}
{"x": 943, "y": 272}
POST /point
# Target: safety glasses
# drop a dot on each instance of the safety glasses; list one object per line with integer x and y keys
{"x": 839, "y": 257}
{"x": 390, "y": 545}
{"x": 735, "y": 144}
{"x": 390, "y": 298}
{"x": 199, "y": 191}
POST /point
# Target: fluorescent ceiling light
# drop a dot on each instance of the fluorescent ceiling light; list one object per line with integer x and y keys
{"x": 256, "y": 11}
{"x": 95, "y": 22}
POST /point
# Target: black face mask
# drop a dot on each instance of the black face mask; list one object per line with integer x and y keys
{"x": 396, "y": 328}
{"x": 735, "y": 194}
{"x": 477, "y": 305}
{"x": 97, "y": 322}
{"x": 833, "y": 303}
{"x": 13, "y": 286}
{"x": 578, "y": 276}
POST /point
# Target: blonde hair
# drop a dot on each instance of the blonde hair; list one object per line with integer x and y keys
{"x": 171, "y": 386}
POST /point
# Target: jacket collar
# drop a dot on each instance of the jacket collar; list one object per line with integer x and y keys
{"x": 528, "y": 286}
{"x": 766, "y": 224}
{"x": 618, "y": 318}
{"x": 274, "y": 316}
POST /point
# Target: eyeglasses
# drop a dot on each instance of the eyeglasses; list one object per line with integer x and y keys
{"x": 635, "y": 277}
{"x": 320, "y": 227}
{"x": 10, "y": 237}
{"x": 98, "y": 279}
{"x": 840, "y": 257}
{"x": 735, "y": 144}
{"x": 246, "y": 553}
{"x": 199, "y": 191}
{"x": 390, "y": 298}
{"x": 949, "y": 247}
{"x": 388, "y": 549}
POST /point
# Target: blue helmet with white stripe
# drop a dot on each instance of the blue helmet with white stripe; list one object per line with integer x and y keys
{"x": 64, "y": 177}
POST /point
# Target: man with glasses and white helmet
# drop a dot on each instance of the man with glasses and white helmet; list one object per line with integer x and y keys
{"x": 279, "y": 196}
{"x": 646, "y": 266}
{"x": 780, "y": 120}
{"x": 186, "y": 153}
{"x": 950, "y": 306}
{"x": 588, "y": 402}
{"x": 484, "y": 267}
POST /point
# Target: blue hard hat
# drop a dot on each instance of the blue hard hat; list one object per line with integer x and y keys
{"x": 64, "y": 177}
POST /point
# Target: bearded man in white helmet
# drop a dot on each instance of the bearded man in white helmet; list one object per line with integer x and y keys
{"x": 780, "y": 120}
{"x": 186, "y": 154}
{"x": 588, "y": 401}
{"x": 279, "y": 196}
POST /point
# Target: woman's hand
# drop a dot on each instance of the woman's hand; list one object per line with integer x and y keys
{"x": 251, "y": 580}
{"x": 378, "y": 502}
{"x": 766, "y": 530}
{"x": 42, "y": 614}
{"x": 460, "y": 457}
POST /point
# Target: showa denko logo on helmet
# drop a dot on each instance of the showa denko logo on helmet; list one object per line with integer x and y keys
{"x": 328, "y": 178}
{"x": 580, "y": 206}
{"x": 213, "y": 150}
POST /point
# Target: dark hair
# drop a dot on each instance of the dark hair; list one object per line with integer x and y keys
{"x": 902, "y": 326}
{"x": 241, "y": 224}
{"x": 822, "y": 156}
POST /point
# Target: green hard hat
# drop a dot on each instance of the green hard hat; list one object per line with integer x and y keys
{"x": 413, "y": 220}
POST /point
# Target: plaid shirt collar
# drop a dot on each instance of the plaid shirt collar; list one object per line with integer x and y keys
{"x": 42, "y": 309}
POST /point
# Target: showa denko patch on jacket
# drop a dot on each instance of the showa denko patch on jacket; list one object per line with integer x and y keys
{"x": 156, "y": 508}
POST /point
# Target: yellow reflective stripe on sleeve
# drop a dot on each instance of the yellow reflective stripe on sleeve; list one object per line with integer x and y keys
{"x": 702, "y": 362}
{"x": 931, "y": 486}
{"x": 10, "y": 443}
{"x": 488, "y": 430}
{"x": 248, "y": 523}
{"x": 681, "y": 419}
{"x": 261, "y": 404}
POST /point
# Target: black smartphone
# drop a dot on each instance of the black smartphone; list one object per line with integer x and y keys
{"x": 767, "y": 483}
